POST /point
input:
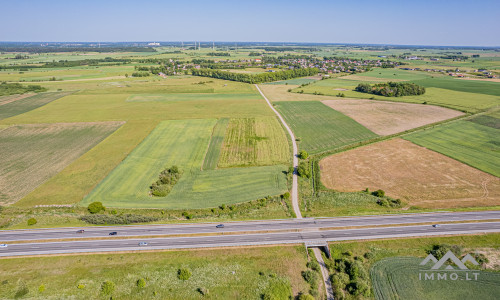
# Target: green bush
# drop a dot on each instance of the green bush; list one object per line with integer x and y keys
{"x": 310, "y": 277}
{"x": 379, "y": 193}
{"x": 340, "y": 280}
{"x": 107, "y": 287}
{"x": 314, "y": 265}
{"x": 80, "y": 286}
{"x": 117, "y": 219}
{"x": 141, "y": 283}
{"x": 358, "y": 287}
{"x": 286, "y": 196}
{"x": 31, "y": 221}
{"x": 438, "y": 251}
{"x": 41, "y": 288}
{"x": 305, "y": 297}
{"x": 22, "y": 289}
{"x": 278, "y": 289}
{"x": 187, "y": 215}
{"x": 303, "y": 170}
{"x": 95, "y": 207}
{"x": 369, "y": 255}
{"x": 183, "y": 274}
{"x": 166, "y": 181}
{"x": 303, "y": 154}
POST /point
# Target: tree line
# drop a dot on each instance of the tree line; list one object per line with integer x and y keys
{"x": 391, "y": 89}
{"x": 255, "y": 78}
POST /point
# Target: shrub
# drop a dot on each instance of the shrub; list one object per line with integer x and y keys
{"x": 31, "y": 221}
{"x": 95, "y": 207}
{"x": 286, "y": 196}
{"x": 303, "y": 170}
{"x": 438, "y": 251}
{"x": 141, "y": 283}
{"x": 310, "y": 277}
{"x": 358, "y": 287}
{"x": 166, "y": 181}
{"x": 480, "y": 258}
{"x": 183, "y": 274}
{"x": 117, "y": 219}
{"x": 356, "y": 270}
{"x": 41, "y": 288}
{"x": 80, "y": 286}
{"x": 340, "y": 280}
{"x": 107, "y": 287}
{"x": 314, "y": 265}
{"x": 378, "y": 193}
{"x": 369, "y": 255}
{"x": 305, "y": 297}
{"x": 278, "y": 289}
{"x": 303, "y": 154}
{"x": 187, "y": 215}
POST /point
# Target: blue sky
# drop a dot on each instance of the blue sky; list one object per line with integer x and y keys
{"x": 436, "y": 22}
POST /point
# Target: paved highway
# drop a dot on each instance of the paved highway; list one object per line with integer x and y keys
{"x": 246, "y": 239}
{"x": 270, "y": 225}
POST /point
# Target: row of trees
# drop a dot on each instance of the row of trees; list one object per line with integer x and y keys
{"x": 255, "y": 78}
{"x": 17, "y": 88}
{"x": 391, "y": 89}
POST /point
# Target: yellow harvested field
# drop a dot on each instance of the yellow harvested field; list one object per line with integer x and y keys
{"x": 421, "y": 177}
{"x": 386, "y": 118}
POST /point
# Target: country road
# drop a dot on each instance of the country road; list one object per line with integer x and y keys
{"x": 111, "y": 245}
{"x": 295, "y": 189}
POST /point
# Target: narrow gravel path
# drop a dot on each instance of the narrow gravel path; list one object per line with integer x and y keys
{"x": 295, "y": 194}
{"x": 324, "y": 273}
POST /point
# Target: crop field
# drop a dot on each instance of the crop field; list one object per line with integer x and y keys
{"x": 254, "y": 142}
{"x": 296, "y": 81}
{"x": 212, "y": 188}
{"x": 469, "y": 86}
{"x": 26, "y": 104}
{"x": 422, "y": 177}
{"x": 398, "y": 278}
{"x": 386, "y": 118}
{"x": 474, "y": 144}
{"x": 396, "y": 74}
{"x": 180, "y": 142}
{"x": 275, "y": 92}
{"x": 214, "y": 148}
{"x": 226, "y": 273}
{"x": 183, "y": 143}
{"x": 12, "y": 98}
{"x": 321, "y": 128}
{"x": 491, "y": 119}
{"x": 31, "y": 154}
{"x": 189, "y": 97}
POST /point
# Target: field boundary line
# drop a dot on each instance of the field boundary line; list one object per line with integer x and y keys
{"x": 295, "y": 195}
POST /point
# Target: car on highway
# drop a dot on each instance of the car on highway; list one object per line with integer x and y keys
{"x": 220, "y": 226}
{"x": 3, "y": 245}
{"x": 113, "y": 233}
{"x": 436, "y": 225}
{"x": 143, "y": 243}
{"x": 80, "y": 231}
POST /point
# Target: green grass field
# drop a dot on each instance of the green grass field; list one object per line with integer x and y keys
{"x": 321, "y": 128}
{"x": 469, "y": 86}
{"x": 296, "y": 81}
{"x": 214, "y": 148}
{"x": 468, "y": 142}
{"x": 226, "y": 274}
{"x": 254, "y": 142}
{"x": 397, "y": 74}
{"x": 31, "y": 154}
{"x": 29, "y": 103}
{"x": 183, "y": 143}
{"x": 398, "y": 278}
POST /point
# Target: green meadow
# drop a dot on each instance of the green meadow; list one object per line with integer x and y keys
{"x": 469, "y": 142}
{"x": 321, "y": 128}
{"x": 183, "y": 143}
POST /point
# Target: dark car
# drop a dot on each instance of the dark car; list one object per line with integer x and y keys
{"x": 113, "y": 233}
{"x": 436, "y": 225}
{"x": 80, "y": 231}
{"x": 220, "y": 226}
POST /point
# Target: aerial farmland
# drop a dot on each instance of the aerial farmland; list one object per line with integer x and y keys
{"x": 188, "y": 134}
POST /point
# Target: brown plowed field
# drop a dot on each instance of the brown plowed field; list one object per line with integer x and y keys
{"x": 386, "y": 118}
{"x": 412, "y": 173}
